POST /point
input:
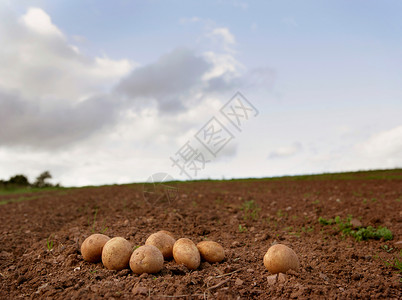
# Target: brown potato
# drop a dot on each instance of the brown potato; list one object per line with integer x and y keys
{"x": 91, "y": 248}
{"x": 185, "y": 252}
{"x": 146, "y": 259}
{"x": 280, "y": 258}
{"x": 168, "y": 233}
{"x": 116, "y": 254}
{"x": 211, "y": 251}
{"x": 163, "y": 242}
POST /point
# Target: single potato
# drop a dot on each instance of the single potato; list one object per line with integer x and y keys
{"x": 146, "y": 259}
{"x": 163, "y": 242}
{"x": 168, "y": 233}
{"x": 116, "y": 254}
{"x": 185, "y": 252}
{"x": 91, "y": 248}
{"x": 211, "y": 252}
{"x": 280, "y": 258}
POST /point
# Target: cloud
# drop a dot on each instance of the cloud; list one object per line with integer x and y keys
{"x": 178, "y": 80}
{"x": 386, "y": 145}
{"x": 171, "y": 81}
{"x": 286, "y": 151}
{"x": 29, "y": 123}
{"x": 38, "y": 61}
{"x": 223, "y": 37}
{"x": 37, "y": 20}
{"x": 224, "y": 34}
{"x": 52, "y": 95}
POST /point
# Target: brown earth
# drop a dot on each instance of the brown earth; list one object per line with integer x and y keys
{"x": 332, "y": 266}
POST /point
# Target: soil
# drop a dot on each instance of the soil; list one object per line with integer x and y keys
{"x": 287, "y": 212}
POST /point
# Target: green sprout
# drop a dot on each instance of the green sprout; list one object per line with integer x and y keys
{"x": 49, "y": 243}
{"x": 242, "y": 228}
{"x": 251, "y": 210}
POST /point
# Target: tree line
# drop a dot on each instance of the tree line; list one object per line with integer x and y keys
{"x": 21, "y": 180}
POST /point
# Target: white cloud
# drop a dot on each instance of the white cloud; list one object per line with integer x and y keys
{"x": 37, "y": 60}
{"x": 37, "y": 20}
{"x": 385, "y": 145}
{"x": 286, "y": 151}
{"x": 223, "y": 37}
{"x": 224, "y": 34}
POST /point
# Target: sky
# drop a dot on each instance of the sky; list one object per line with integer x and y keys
{"x": 105, "y": 92}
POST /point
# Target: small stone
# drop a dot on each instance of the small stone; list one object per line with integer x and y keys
{"x": 126, "y": 222}
{"x": 324, "y": 277}
{"x": 356, "y": 223}
{"x": 398, "y": 244}
{"x": 271, "y": 279}
{"x": 239, "y": 282}
{"x": 250, "y": 270}
{"x": 140, "y": 290}
{"x": 281, "y": 277}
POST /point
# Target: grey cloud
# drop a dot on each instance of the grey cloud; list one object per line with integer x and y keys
{"x": 25, "y": 122}
{"x": 172, "y": 81}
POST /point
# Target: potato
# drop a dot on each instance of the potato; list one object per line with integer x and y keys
{"x": 185, "y": 252}
{"x": 280, "y": 258}
{"x": 210, "y": 251}
{"x": 163, "y": 242}
{"x": 116, "y": 253}
{"x": 168, "y": 233}
{"x": 91, "y": 248}
{"x": 146, "y": 259}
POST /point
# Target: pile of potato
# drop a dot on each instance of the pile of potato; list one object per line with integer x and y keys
{"x": 117, "y": 253}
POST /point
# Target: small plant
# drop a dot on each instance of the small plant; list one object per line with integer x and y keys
{"x": 103, "y": 228}
{"x": 281, "y": 214}
{"x": 49, "y": 243}
{"x": 372, "y": 233}
{"x": 387, "y": 248}
{"x": 315, "y": 202}
{"x": 93, "y": 271}
{"x": 324, "y": 221}
{"x": 242, "y": 228}
{"x": 251, "y": 210}
{"x": 308, "y": 229}
{"x": 289, "y": 228}
{"x": 136, "y": 247}
{"x": 362, "y": 233}
{"x": 396, "y": 263}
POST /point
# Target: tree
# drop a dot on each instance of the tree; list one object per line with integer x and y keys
{"x": 19, "y": 180}
{"x": 41, "y": 180}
